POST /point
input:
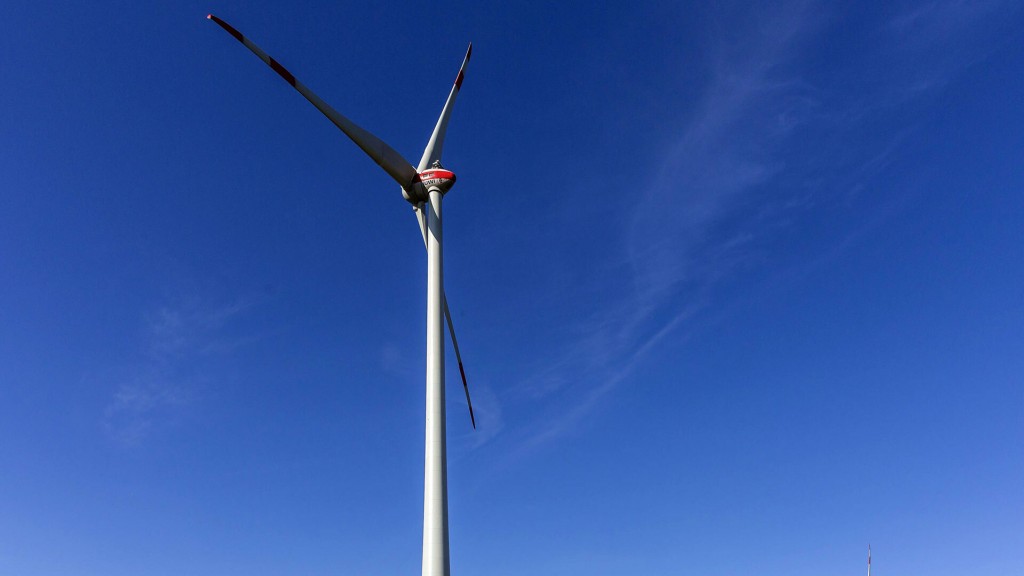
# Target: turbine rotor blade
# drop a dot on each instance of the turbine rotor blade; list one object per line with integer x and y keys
{"x": 455, "y": 344}
{"x": 420, "y": 217}
{"x": 432, "y": 152}
{"x": 385, "y": 156}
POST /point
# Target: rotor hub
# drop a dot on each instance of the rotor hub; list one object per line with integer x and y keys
{"x": 432, "y": 179}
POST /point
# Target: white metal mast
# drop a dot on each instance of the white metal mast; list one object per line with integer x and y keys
{"x": 435, "y": 469}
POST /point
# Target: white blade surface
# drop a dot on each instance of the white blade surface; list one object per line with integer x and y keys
{"x": 385, "y": 156}
{"x": 433, "y": 150}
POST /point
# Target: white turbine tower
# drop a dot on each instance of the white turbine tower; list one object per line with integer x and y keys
{"x": 424, "y": 187}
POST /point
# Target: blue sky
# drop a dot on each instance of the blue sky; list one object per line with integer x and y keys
{"x": 740, "y": 288}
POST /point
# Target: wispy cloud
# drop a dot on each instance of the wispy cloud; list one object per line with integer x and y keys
{"x": 725, "y": 166}
{"x": 938, "y": 39}
{"x": 175, "y": 336}
{"x": 928, "y": 23}
{"x": 727, "y": 149}
{"x": 149, "y": 396}
{"x": 393, "y": 361}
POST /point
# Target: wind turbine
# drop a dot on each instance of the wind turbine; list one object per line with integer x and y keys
{"x": 423, "y": 186}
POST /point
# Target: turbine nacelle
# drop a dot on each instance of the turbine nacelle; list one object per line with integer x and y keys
{"x": 433, "y": 179}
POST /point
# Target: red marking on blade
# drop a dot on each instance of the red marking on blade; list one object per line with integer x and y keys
{"x": 238, "y": 35}
{"x": 469, "y": 403}
{"x": 458, "y": 81}
{"x": 284, "y": 73}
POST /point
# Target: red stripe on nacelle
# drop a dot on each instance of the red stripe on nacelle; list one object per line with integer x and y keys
{"x": 428, "y": 174}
